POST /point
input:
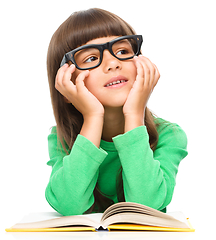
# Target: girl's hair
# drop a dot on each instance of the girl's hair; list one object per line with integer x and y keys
{"x": 77, "y": 30}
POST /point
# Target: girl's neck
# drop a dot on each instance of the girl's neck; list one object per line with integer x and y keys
{"x": 113, "y": 123}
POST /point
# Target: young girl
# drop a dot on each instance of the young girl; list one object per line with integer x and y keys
{"x": 107, "y": 146}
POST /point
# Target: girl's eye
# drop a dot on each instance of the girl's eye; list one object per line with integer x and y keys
{"x": 91, "y": 59}
{"x": 123, "y": 51}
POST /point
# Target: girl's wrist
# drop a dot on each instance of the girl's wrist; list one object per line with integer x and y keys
{"x": 133, "y": 121}
{"x": 92, "y": 128}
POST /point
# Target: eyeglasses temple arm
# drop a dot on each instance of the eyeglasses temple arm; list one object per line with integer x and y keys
{"x": 64, "y": 60}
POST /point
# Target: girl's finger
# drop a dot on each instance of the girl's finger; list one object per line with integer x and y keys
{"x": 80, "y": 80}
{"x": 67, "y": 75}
{"x": 147, "y": 70}
{"x": 59, "y": 75}
{"x": 150, "y": 68}
{"x": 157, "y": 76}
{"x": 140, "y": 71}
{"x": 63, "y": 83}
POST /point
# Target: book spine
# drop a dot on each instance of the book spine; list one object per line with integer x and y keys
{"x": 101, "y": 228}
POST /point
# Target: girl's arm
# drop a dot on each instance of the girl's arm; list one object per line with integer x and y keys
{"x": 85, "y": 102}
{"x": 146, "y": 80}
{"x": 74, "y": 176}
{"x": 149, "y": 178}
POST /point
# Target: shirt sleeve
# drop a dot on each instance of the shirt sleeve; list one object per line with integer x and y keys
{"x": 74, "y": 176}
{"x": 149, "y": 177}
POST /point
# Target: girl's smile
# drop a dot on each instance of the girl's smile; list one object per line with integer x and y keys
{"x": 116, "y": 82}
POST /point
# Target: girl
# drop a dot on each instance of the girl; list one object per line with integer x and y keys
{"x": 107, "y": 146}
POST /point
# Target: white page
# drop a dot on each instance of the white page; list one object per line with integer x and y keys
{"x": 179, "y": 216}
{"x": 42, "y": 216}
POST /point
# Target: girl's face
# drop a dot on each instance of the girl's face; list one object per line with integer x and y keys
{"x": 112, "y": 81}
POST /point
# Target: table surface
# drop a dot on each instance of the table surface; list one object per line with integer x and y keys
{"x": 110, "y": 235}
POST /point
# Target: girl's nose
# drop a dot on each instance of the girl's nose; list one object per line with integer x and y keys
{"x": 110, "y": 63}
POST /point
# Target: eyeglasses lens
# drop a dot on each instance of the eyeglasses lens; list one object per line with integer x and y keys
{"x": 87, "y": 57}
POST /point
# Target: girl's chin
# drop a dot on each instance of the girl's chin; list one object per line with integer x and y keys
{"x": 114, "y": 100}
{"x": 114, "y": 104}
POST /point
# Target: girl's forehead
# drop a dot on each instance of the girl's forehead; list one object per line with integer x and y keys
{"x": 101, "y": 40}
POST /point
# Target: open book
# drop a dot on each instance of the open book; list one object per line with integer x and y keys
{"x": 119, "y": 216}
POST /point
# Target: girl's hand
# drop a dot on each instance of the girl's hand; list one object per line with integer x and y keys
{"x": 83, "y": 100}
{"x": 134, "y": 107}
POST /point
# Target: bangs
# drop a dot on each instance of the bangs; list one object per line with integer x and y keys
{"x": 94, "y": 23}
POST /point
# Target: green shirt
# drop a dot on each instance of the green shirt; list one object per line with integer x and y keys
{"x": 148, "y": 177}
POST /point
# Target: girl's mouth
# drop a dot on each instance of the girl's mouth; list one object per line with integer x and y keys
{"x": 116, "y": 81}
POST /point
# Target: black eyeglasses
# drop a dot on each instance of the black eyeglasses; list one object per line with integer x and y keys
{"x": 91, "y": 55}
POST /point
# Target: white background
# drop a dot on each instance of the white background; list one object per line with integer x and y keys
{"x": 179, "y": 37}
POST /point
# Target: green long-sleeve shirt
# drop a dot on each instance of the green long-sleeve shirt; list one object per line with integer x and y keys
{"x": 148, "y": 177}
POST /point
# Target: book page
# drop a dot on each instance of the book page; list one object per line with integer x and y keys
{"x": 132, "y": 207}
{"x": 42, "y": 216}
{"x": 179, "y": 216}
{"x": 127, "y": 212}
{"x": 52, "y": 220}
{"x": 143, "y": 219}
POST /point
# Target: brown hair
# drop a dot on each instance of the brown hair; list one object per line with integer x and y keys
{"x": 77, "y": 30}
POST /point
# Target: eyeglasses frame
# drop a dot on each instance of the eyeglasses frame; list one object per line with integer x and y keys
{"x": 101, "y": 47}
